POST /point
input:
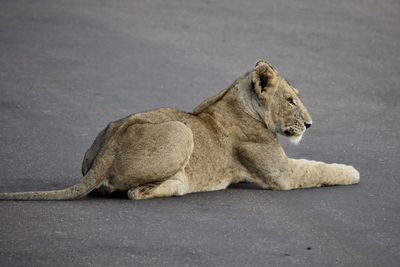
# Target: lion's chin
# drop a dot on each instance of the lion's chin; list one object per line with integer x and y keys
{"x": 293, "y": 136}
{"x": 295, "y": 139}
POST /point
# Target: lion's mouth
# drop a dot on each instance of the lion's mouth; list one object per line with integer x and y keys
{"x": 292, "y": 132}
{"x": 288, "y": 132}
{"x": 293, "y": 135}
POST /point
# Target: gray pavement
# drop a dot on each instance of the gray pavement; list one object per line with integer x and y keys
{"x": 69, "y": 67}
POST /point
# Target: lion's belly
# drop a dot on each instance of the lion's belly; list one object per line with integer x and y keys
{"x": 211, "y": 167}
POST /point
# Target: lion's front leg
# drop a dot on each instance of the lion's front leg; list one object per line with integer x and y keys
{"x": 268, "y": 166}
{"x": 308, "y": 173}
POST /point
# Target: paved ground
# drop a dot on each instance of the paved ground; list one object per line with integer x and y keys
{"x": 69, "y": 67}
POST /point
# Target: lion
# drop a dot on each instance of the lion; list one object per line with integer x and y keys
{"x": 229, "y": 138}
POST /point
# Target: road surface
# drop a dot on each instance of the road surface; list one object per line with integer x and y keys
{"x": 67, "y": 68}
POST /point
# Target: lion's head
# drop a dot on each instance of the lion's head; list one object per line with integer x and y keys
{"x": 281, "y": 107}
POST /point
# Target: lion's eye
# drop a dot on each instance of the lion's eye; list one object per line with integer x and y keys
{"x": 291, "y": 101}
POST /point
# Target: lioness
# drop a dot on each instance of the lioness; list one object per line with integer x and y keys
{"x": 229, "y": 138}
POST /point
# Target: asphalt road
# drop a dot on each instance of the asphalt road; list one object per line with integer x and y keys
{"x": 67, "y": 68}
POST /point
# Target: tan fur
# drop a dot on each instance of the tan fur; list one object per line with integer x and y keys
{"x": 227, "y": 139}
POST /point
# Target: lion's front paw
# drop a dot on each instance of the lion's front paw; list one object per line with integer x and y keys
{"x": 345, "y": 174}
{"x": 356, "y": 175}
{"x": 352, "y": 174}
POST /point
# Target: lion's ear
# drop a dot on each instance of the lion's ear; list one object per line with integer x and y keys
{"x": 259, "y": 62}
{"x": 263, "y": 76}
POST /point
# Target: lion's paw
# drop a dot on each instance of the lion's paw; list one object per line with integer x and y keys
{"x": 356, "y": 175}
{"x": 142, "y": 192}
{"x": 353, "y": 174}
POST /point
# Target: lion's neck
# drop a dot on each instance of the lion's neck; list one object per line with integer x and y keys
{"x": 241, "y": 100}
{"x": 238, "y": 108}
{"x": 248, "y": 99}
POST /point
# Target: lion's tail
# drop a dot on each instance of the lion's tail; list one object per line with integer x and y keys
{"x": 90, "y": 181}
{"x": 95, "y": 176}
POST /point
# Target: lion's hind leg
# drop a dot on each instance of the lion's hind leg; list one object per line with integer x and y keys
{"x": 151, "y": 160}
{"x": 98, "y": 143}
{"x": 174, "y": 186}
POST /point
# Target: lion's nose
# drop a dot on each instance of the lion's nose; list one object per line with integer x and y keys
{"x": 308, "y": 125}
